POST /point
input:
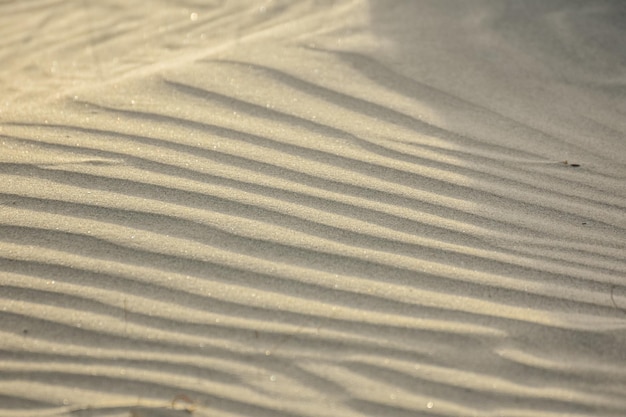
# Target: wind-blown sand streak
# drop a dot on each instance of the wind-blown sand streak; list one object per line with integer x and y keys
{"x": 312, "y": 208}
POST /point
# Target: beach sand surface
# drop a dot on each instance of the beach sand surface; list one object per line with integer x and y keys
{"x": 312, "y": 208}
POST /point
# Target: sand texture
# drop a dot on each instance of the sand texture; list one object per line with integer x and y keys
{"x": 312, "y": 208}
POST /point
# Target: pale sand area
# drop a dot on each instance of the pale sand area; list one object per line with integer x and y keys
{"x": 312, "y": 208}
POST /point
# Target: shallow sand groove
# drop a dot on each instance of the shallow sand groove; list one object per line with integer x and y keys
{"x": 312, "y": 208}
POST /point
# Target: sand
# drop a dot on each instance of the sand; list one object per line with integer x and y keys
{"x": 312, "y": 208}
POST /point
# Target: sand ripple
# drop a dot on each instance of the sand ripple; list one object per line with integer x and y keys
{"x": 259, "y": 210}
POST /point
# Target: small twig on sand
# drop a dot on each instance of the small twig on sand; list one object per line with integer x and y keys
{"x": 623, "y": 310}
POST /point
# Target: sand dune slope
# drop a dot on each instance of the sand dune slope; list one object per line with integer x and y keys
{"x": 312, "y": 208}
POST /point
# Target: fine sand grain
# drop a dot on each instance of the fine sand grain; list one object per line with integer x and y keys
{"x": 312, "y": 208}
